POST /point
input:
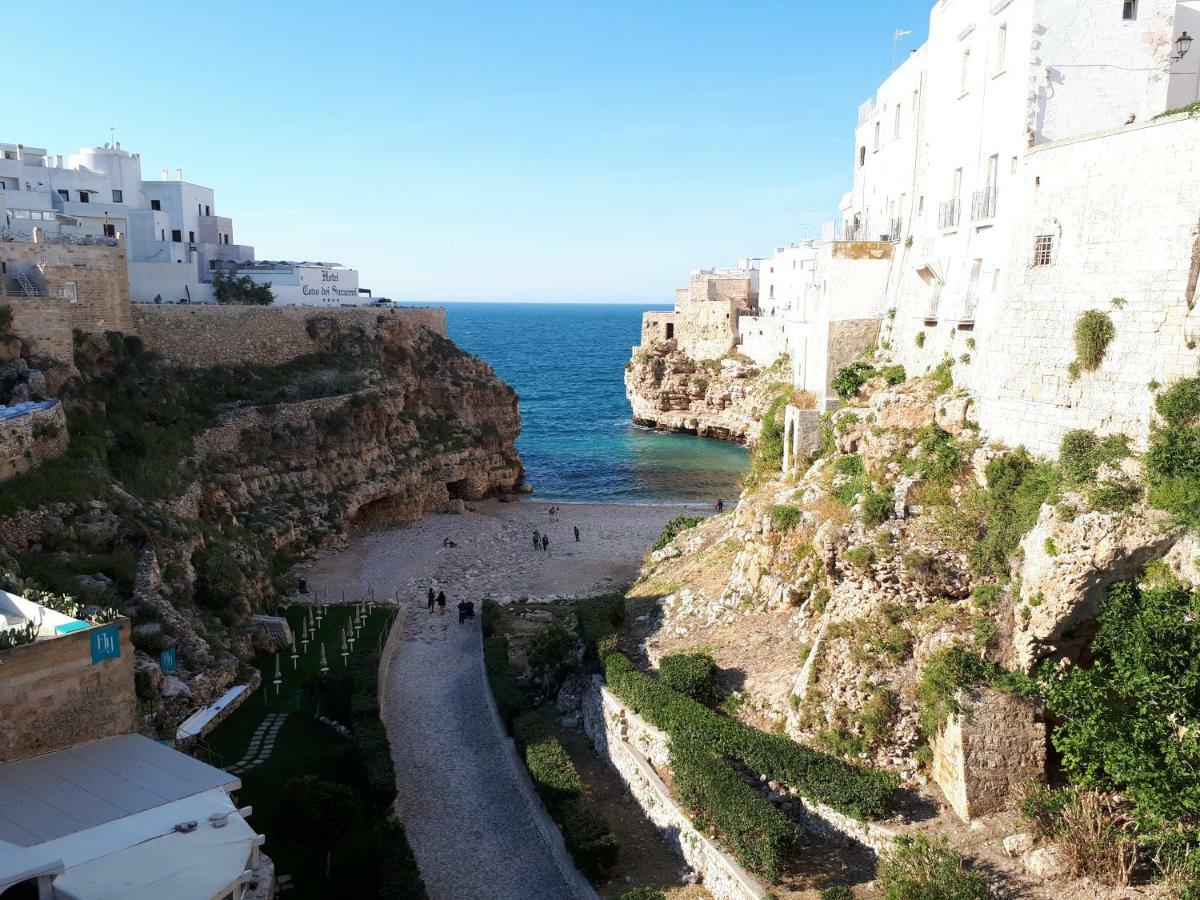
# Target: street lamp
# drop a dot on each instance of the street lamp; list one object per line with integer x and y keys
{"x": 1183, "y": 44}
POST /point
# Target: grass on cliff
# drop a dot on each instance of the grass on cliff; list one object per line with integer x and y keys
{"x": 134, "y": 421}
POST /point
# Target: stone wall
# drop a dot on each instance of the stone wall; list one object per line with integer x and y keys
{"x": 32, "y": 439}
{"x": 764, "y": 338}
{"x": 209, "y": 335}
{"x": 45, "y": 324}
{"x": 53, "y": 696}
{"x": 634, "y": 748}
{"x": 984, "y": 758}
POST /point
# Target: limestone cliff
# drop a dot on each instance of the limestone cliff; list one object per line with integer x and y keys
{"x": 188, "y": 492}
{"x": 725, "y": 398}
{"x": 825, "y": 596}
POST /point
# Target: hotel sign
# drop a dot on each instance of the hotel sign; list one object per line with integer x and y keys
{"x": 106, "y": 643}
{"x": 329, "y": 285}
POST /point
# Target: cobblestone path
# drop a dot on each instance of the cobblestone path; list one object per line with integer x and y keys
{"x": 470, "y": 827}
{"x": 262, "y": 743}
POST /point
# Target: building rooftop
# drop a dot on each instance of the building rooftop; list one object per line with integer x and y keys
{"x": 58, "y": 794}
{"x": 17, "y": 612}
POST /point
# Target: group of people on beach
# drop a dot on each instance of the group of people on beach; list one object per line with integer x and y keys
{"x": 466, "y": 608}
{"x": 541, "y": 541}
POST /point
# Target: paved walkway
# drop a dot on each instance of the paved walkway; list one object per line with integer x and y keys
{"x": 262, "y": 743}
{"x": 470, "y": 827}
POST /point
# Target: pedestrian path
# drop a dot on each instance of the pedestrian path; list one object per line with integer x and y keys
{"x": 262, "y": 743}
{"x": 471, "y": 828}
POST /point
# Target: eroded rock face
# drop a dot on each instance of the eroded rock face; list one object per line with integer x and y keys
{"x": 1069, "y": 560}
{"x": 672, "y": 392}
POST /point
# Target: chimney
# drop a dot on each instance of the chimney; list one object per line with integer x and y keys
{"x": 179, "y": 172}
{"x": 165, "y": 174}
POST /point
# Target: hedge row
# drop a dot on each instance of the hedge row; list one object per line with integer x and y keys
{"x": 585, "y": 832}
{"x": 367, "y": 731}
{"x": 852, "y": 790}
{"x": 690, "y": 674}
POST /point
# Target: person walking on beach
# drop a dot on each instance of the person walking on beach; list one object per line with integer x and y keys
{"x": 720, "y": 505}
{"x": 441, "y": 602}
{"x": 545, "y": 542}
{"x": 537, "y": 539}
{"x": 577, "y": 534}
{"x": 431, "y": 596}
{"x": 462, "y": 611}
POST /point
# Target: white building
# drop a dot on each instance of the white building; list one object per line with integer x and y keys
{"x": 308, "y": 283}
{"x": 175, "y": 239}
{"x": 1016, "y": 168}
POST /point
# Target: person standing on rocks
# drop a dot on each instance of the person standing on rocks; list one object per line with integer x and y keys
{"x": 431, "y": 598}
{"x": 545, "y": 542}
{"x": 441, "y": 602}
{"x": 577, "y": 534}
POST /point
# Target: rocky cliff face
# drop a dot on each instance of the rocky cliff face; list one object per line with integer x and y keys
{"x": 723, "y": 399}
{"x": 187, "y": 493}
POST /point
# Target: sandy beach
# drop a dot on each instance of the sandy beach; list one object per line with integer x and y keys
{"x": 494, "y": 556}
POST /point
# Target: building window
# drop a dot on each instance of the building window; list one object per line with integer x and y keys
{"x": 191, "y": 237}
{"x": 878, "y": 130}
{"x": 156, "y": 205}
{"x": 176, "y": 236}
{"x": 1001, "y": 47}
{"x": 862, "y": 156}
{"x": 207, "y": 212}
{"x": 84, "y": 197}
{"x": 1043, "y": 250}
{"x": 966, "y": 72}
{"x": 670, "y": 330}
{"x": 921, "y": 205}
{"x": 118, "y": 197}
{"x": 1129, "y": 10}
{"x": 110, "y": 231}
{"x": 896, "y": 122}
{"x": 162, "y": 234}
{"x": 66, "y": 195}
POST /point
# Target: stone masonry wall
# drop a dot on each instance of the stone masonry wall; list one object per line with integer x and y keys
{"x": 45, "y": 323}
{"x": 209, "y": 335}
{"x": 52, "y": 696}
{"x": 983, "y": 759}
{"x": 98, "y": 274}
{"x": 32, "y": 439}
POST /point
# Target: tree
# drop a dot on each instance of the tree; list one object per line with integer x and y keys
{"x": 1129, "y": 721}
{"x": 242, "y": 290}
{"x": 317, "y": 813}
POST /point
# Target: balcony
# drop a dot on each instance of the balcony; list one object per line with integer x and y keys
{"x": 893, "y": 235}
{"x": 948, "y": 215}
{"x": 983, "y": 204}
{"x": 966, "y": 318}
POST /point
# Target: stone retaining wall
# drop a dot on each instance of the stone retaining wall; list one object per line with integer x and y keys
{"x": 210, "y": 335}
{"x": 32, "y": 439}
{"x": 623, "y": 739}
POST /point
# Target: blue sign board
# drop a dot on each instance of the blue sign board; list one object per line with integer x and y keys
{"x": 166, "y": 660}
{"x": 106, "y": 644}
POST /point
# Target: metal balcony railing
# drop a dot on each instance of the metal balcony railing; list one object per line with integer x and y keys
{"x": 893, "y": 234}
{"x": 983, "y": 204}
{"x": 948, "y": 214}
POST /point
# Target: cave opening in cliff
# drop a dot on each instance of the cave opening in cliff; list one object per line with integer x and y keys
{"x": 670, "y": 330}
{"x": 458, "y": 490}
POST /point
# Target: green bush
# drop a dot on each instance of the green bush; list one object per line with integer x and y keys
{"x": 849, "y": 380}
{"x": 598, "y": 618}
{"x": 919, "y": 340}
{"x": 1180, "y": 404}
{"x": 785, "y": 517}
{"x": 837, "y": 892}
{"x": 767, "y": 457}
{"x": 946, "y": 672}
{"x": 849, "y": 465}
{"x": 643, "y": 893}
{"x": 918, "y": 868}
{"x": 690, "y": 674}
{"x": 1114, "y": 494}
{"x": 585, "y": 832}
{"x": 1123, "y": 719}
{"x": 860, "y": 557}
{"x": 877, "y": 507}
{"x": 551, "y": 653}
{"x": 510, "y": 699}
{"x": 1094, "y": 331}
{"x": 858, "y": 792}
{"x": 894, "y": 374}
{"x": 1173, "y": 461}
{"x": 674, "y": 528}
{"x": 1082, "y": 453}
{"x": 1018, "y": 485}
{"x": 399, "y": 877}
{"x": 939, "y": 459}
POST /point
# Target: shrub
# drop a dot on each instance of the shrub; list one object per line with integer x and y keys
{"x": 1094, "y": 331}
{"x": 551, "y": 653}
{"x": 1121, "y": 717}
{"x": 946, "y": 672}
{"x": 1018, "y": 485}
{"x": 785, "y": 517}
{"x": 690, "y": 674}
{"x": 1079, "y": 821}
{"x": 598, "y": 618}
{"x": 849, "y": 379}
{"x": 837, "y": 892}
{"x": 849, "y": 465}
{"x": 399, "y": 877}
{"x": 847, "y": 493}
{"x": 986, "y": 596}
{"x": 767, "y": 458}
{"x": 920, "y": 339}
{"x": 1114, "y": 494}
{"x": 1180, "y": 404}
{"x": 585, "y": 831}
{"x": 894, "y": 375}
{"x": 674, "y": 528}
{"x": 643, "y": 893}
{"x": 1082, "y": 453}
{"x": 860, "y": 557}
{"x": 943, "y": 376}
{"x": 242, "y": 290}
{"x": 6, "y": 318}
{"x": 510, "y": 699}
{"x": 939, "y": 459}
{"x": 877, "y": 507}
{"x": 918, "y": 868}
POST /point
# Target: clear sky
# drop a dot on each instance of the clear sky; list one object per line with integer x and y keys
{"x": 475, "y": 150}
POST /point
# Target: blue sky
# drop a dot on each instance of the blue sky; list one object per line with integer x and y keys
{"x": 473, "y": 150}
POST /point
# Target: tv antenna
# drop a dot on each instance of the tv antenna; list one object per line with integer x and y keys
{"x": 899, "y": 35}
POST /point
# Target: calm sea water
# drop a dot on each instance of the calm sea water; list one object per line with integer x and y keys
{"x": 567, "y": 363}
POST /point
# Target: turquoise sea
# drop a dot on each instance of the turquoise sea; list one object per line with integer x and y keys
{"x": 567, "y": 363}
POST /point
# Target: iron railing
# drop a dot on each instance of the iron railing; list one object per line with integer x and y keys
{"x": 983, "y": 204}
{"x": 948, "y": 214}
